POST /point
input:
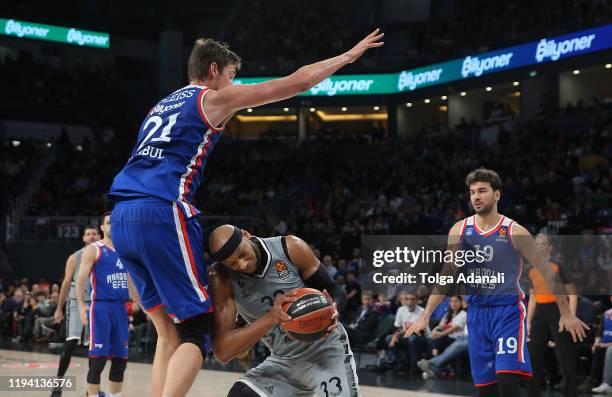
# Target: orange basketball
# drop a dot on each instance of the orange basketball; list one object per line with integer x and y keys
{"x": 311, "y": 314}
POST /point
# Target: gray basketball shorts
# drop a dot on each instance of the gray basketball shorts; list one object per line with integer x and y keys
{"x": 75, "y": 329}
{"x": 328, "y": 370}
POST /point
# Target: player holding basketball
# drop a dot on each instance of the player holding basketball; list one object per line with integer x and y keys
{"x": 155, "y": 228}
{"x": 497, "y": 315}
{"x": 253, "y": 277}
{"x": 106, "y": 315}
{"x": 74, "y": 327}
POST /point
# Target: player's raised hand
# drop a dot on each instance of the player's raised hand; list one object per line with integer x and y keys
{"x": 574, "y": 326}
{"x": 83, "y": 311}
{"x": 370, "y": 41}
{"x": 277, "y": 312}
{"x": 418, "y": 326}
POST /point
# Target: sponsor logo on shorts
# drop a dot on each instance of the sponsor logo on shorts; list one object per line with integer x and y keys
{"x": 283, "y": 271}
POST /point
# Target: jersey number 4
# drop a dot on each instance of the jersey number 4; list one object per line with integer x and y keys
{"x": 157, "y": 122}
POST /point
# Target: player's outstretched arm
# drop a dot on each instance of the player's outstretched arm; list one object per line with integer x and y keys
{"x": 219, "y": 105}
{"x": 87, "y": 261}
{"x": 229, "y": 342}
{"x": 439, "y": 291}
{"x": 526, "y": 246}
{"x": 65, "y": 288}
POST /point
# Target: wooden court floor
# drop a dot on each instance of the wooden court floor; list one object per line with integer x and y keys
{"x": 137, "y": 378}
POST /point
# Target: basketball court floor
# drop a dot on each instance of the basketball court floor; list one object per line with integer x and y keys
{"x": 209, "y": 383}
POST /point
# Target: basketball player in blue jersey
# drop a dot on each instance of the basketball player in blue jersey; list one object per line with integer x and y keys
{"x": 106, "y": 314}
{"x": 496, "y": 314}
{"x": 156, "y": 232}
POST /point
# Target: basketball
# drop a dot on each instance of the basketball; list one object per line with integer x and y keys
{"x": 311, "y": 314}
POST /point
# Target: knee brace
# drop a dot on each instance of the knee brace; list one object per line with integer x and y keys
{"x": 196, "y": 330}
{"x": 96, "y": 366}
{"x": 117, "y": 370}
{"x": 240, "y": 389}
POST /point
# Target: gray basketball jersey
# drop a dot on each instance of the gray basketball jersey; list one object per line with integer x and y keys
{"x": 72, "y": 293}
{"x": 254, "y": 294}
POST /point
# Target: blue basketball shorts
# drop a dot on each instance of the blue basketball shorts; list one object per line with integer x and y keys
{"x": 497, "y": 342}
{"x": 161, "y": 246}
{"x": 108, "y": 330}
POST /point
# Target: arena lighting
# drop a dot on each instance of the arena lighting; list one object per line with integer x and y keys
{"x": 533, "y": 73}
{"x": 376, "y": 108}
{"x": 79, "y": 148}
{"x": 516, "y": 84}
{"x": 49, "y": 144}
{"x": 444, "y": 97}
{"x": 443, "y": 108}
{"x": 260, "y": 119}
{"x": 344, "y": 109}
{"x": 427, "y": 100}
{"x": 409, "y": 104}
{"x": 576, "y": 72}
{"x": 351, "y": 116}
{"x": 489, "y": 89}
{"x": 285, "y": 109}
{"x": 608, "y": 65}
{"x": 463, "y": 93}
{"x": 15, "y": 143}
{"x": 312, "y": 110}
{"x": 249, "y": 110}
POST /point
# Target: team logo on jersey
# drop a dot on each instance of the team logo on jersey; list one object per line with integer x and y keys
{"x": 243, "y": 291}
{"x": 119, "y": 264}
{"x": 283, "y": 271}
{"x": 502, "y": 235}
{"x": 468, "y": 231}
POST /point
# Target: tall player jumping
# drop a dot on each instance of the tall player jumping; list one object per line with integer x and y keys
{"x": 106, "y": 315}
{"x": 497, "y": 315}
{"x": 75, "y": 331}
{"x": 253, "y": 277}
{"x": 155, "y": 229}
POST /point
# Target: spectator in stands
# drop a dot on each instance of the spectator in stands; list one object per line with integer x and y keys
{"x": 329, "y": 265}
{"x": 407, "y": 351}
{"x": 602, "y": 349}
{"x": 353, "y": 294}
{"x": 361, "y": 330}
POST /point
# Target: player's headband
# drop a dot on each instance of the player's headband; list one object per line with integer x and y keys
{"x": 229, "y": 247}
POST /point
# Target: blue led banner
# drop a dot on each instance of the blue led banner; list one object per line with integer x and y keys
{"x": 532, "y": 53}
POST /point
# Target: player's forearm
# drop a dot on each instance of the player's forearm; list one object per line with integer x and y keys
{"x": 235, "y": 342}
{"x": 432, "y": 303}
{"x": 80, "y": 291}
{"x": 319, "y": 71}
{"x": 63, "y": 294}
{"x": 573, "y": 303}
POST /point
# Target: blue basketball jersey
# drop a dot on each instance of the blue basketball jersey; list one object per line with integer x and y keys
{"x": 108, "y": 277}
{"x": 174, "y": 142}
{"x": 500, "y": 258}
{"x": 607, "y": 329}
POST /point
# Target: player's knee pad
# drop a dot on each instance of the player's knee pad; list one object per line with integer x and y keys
{"x": 240, "y": 389}
{"x": 96, "y": 366}
{"x": 196, "y": 330}
{"x": 117, "y": 370}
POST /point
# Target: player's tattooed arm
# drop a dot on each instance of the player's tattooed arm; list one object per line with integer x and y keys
{"x": 87, "y": 262}
{"x": 228, "y": 341}
{"x": 65, "y": 288}
{"x": 439, "y": 291}
{"x": 220, "y": 104}
{"x": 526, "y": 246}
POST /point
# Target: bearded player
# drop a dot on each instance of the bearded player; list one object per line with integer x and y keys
{"x": 497, "y": 315}
{"x": 155, "y": 227}
{"x": 254, "y": 277}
